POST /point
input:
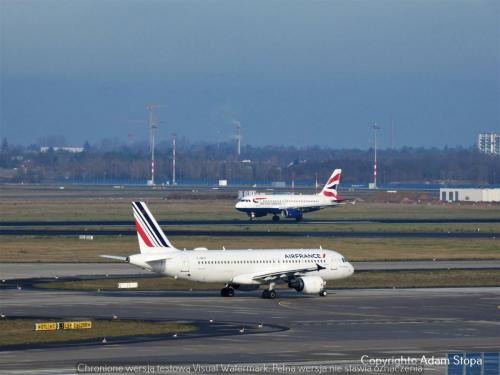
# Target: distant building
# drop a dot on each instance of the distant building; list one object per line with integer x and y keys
{"x": 67, "y": 149}
{"x": 278, "y": 184}
{"x": 489, "y": 143}
{"x": 469, "y": 195}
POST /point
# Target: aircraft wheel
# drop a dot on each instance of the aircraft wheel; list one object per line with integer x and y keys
{"x": 272, "y": 294}
{"x": 322, "y": 293}
{"x": 276, "y": 218}
{"x": 299, "y": 218}
{"x": 227, "y": 292}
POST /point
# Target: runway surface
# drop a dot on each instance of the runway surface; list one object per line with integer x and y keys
{"x": 37, "y": 270}
{"x": 337, "y": 329}
{"x": 246, "y": 233}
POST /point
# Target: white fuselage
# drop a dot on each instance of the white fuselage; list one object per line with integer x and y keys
{"x": 276, "y": 203}
{"x": 241, "y": 266}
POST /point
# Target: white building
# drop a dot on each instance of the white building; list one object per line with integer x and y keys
{"x": 469, "y": 195}
{"x": 489, "y": 143}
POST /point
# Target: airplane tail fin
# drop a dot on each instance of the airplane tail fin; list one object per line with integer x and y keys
{"x": 150, "y": 235}
{"x": 331, "y": 186}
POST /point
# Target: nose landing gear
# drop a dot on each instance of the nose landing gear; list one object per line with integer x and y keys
{"x": 227, "y": 292}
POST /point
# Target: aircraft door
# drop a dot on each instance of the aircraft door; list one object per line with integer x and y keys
{"x": 333, "y": 264}
{"x": 185, "y": 264}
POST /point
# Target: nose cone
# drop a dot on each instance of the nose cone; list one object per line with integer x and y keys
{"x": 238, "y": 205}
{"x": 350, "y": 269}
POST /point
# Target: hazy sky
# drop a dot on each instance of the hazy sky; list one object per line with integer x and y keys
{"x": 292, "y": 72}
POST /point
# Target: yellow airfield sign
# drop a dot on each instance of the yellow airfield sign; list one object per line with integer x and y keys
{"x": 77, "y": 325}
{"x": 45, "y": 326}
{"x": 86, "y": 324}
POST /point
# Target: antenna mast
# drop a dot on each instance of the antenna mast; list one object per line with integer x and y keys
{"x": 173, "y": 158}
{"x": 375, "y": 128}
{"x": 238, "y": 137}
{"x": 152, "y": 125}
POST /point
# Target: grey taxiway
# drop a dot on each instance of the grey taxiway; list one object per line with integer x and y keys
{"x": 339, "y": 328}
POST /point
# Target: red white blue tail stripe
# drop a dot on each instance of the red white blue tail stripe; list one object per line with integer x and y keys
{"x": 331, "y": 186}
{"x": 149, "y": 233}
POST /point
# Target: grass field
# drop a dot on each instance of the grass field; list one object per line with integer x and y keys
{"x": 21, "y": 331}
{"x": 49, "y": 203}
{"x": 71, "y": 249}
{"x": 18, "y": 203}
{"x": 452, "y": 278}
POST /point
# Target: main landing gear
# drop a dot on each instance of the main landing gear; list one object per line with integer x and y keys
{"x": 276, "y": 218}
{"x": 227, "y": 292}
{"x": 270, "y": 293}
{"x": 322, "y": 293}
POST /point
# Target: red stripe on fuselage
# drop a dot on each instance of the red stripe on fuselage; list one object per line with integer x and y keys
{"x": 142, "y": 234}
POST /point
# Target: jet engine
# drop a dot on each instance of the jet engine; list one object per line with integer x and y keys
{"x": 291, "y": 213}
{"x": 257, "y": 214}
{"x": 307, "y": 284}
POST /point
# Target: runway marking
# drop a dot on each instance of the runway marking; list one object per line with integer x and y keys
{"x": 229, "y": 340}
{"x": 494, "y": 322}
{"x": 288, "y": 306}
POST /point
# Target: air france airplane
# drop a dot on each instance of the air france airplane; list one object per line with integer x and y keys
{"x": 305, "y": 270}
{"x": 292, "y": 205}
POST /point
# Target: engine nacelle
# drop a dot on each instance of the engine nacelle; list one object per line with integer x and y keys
{"x": 307, "y": 284}
{"x": 257, "y": 214}
{"x": 291, "y": 213}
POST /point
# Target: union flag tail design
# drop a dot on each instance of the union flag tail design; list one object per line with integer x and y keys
{"x": 149, "y": 233}
{"x": 331, "y": 186}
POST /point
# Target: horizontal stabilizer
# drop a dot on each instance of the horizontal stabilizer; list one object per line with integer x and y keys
{"x": 115, "y": 257}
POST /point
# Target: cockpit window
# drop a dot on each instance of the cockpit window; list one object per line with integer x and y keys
{"x": 344, "y": 260}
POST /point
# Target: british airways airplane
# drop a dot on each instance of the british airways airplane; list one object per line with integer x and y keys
{"x": 305, "y": 270}
{"x": 292, "y": 205}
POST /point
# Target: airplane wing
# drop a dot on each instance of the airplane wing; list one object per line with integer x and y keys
{"x": 286, "y": 275}
{"x": 145, "y": 258}
{"x": 295, "y": 208}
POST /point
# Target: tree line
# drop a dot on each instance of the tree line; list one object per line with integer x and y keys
{"x": 111, "y": 161}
